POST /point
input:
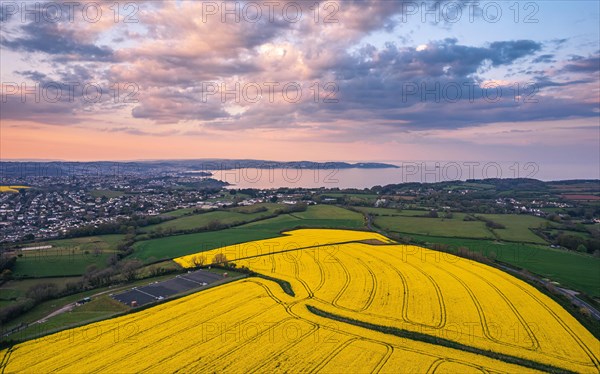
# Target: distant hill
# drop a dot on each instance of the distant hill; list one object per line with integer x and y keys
{"x": 201, "y": 167}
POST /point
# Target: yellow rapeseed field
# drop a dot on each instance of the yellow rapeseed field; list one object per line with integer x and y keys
{"x": 361, "y": 304}
{"x": 11, "y": 189}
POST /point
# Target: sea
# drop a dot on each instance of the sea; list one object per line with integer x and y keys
{"x": 405, "y": 172}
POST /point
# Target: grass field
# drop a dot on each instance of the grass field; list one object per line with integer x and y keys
{"x": 18, "y": 288}
{"x": 180, "y": 245}
{"x": 571, "y": 269}
{"x": 106, "y": 193}
{"x": 67, "y": 257}
{"x": 197, "y": 221}
{"x": 353, "y": 197}
{"x": 392, "y": 212}
{"x": 57, "y": 264}
{"x": 329, "y": 212}
{"x": 102, "y": 242}
{"x": 517, "y": 227}
{"x": 356, "y": 307}
{"x": 585, "y": 235}
{"x": 45, "y": 308}
{"x": 454, "y": 227}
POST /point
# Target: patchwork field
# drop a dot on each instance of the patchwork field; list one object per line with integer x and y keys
{"x": 359, "y": 303}
{"x": 574, "y": 270}
{"x": 196, "y": 221}
{"x": 517, "y": 228}
{"x": 65, "y": 257}
{"x": 454, "y": 227}
{"x": 180, "y": 245}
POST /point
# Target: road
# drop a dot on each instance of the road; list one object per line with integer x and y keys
{"x": 570, "y": 294}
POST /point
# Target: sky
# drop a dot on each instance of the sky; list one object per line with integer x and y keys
{"x": 303, "y": 80}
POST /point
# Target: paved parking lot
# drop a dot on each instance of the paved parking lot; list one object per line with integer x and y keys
{"x": 160, "y": 290}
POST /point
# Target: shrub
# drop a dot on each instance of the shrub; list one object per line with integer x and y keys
{"x": 220, "y": 258}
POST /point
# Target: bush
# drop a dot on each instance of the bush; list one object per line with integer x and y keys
{"x": 220, "y": 258}
{"x": 439, "y": 247}
{"x": 585, "y": 311}
{"x": 42, "y": 291}
{"x": 432, "y": 214}
{"x": 129, "y": 269}
{"x": 14, "y": 310}
{"x": 471, "y": 255}
{"x": 7, "y": 262}
{"x": 494, "y": 225}
{"x": 199, "y": 260}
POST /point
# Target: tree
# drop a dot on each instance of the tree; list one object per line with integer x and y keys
{"x": 112, "y": 260}
{"x": 42, "y": 291}
{"x": 6, "y": 275}
{"x": 220, "y": 258}
{"x": 129, "y": 269}
{"x": 199, "y": 260}
{"x": 214, "y": 224}
{"x": 581, "y": 248}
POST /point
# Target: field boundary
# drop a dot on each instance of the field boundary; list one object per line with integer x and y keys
{"x": 425, "y": 338}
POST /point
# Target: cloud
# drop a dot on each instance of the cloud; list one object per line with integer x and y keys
{"x": 49, "y": 39}
{"x": 548, "y": 58}
{"x": 580, "y": 64}
{"x": 374, "y": 86}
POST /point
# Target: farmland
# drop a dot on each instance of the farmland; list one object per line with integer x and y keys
{"x": 65, "y": 257}
{"x": 11, "y": 189}
{"x": 203, "y": 220}
{"x": 517, "y": 227}
{"x": 574, "y": 270}
{"x": 454, "y": 227}
{"x": 360, "y": 302}
{"x": 360, "y": 282}
{"x": 180, "y": 245}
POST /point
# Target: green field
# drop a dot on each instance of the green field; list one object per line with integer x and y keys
{"x": 106, "y": 193}
{"x": 180, "y": 245}
{"x": 454, "y": 227}
{"x": 353, "y": 197}
{"x": 474, "y": 186}
{"x": 329, "y": 212}
{"x": 18, "y": 288}
{"x": 57, "y": 264}
{"x": 67, "y": 257}
{"x": 585, "y": 235}
{"x": 198, "y": 221}
{"x": 517, "y": 227}
{"x": 570, "y": 269}
{"x": 392, "y": 212}
{"x": 92, "y": 310}
{"x": 103, "y": 242}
